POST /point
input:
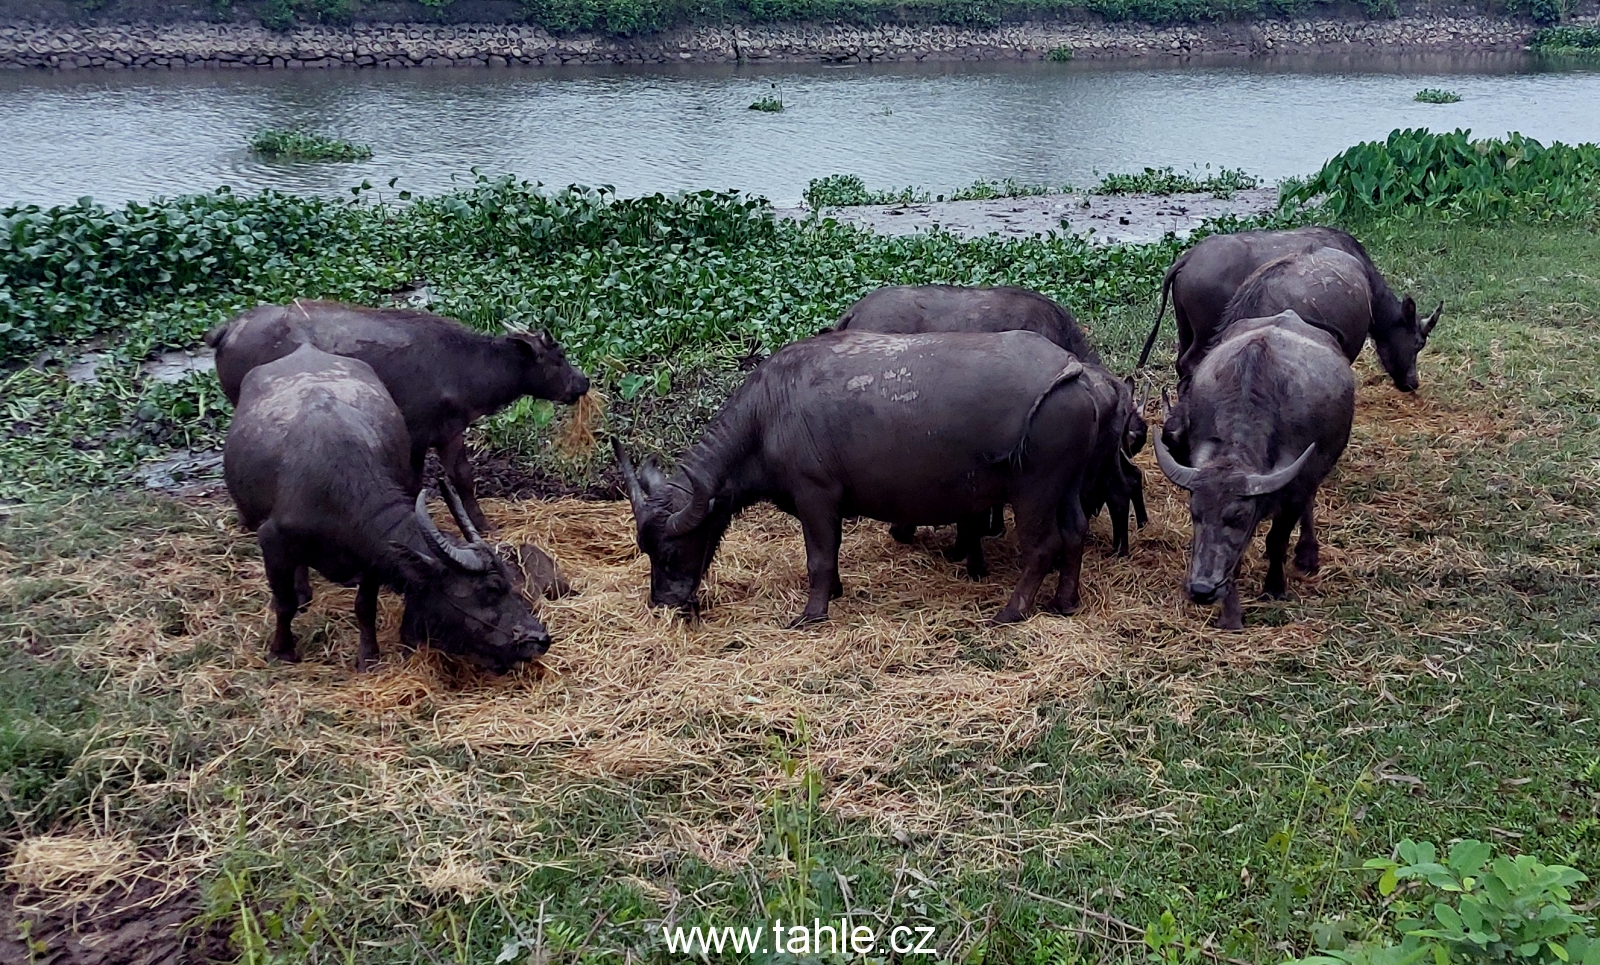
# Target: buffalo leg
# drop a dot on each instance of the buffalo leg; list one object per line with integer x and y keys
{"x": 1277, "y": 549}
{"x": 1307, "y": 554}
{"x": 997, "y": 521}
{"x": 302, "y": 587}
{"x": 903, "y": 533}
{"x": 367, "y": 620}
{"x": 1039, "y": 532}
{"x": 969, "y": 545}
{"x": 822, "y": 527}
{"x": 1231, "y": 616}
{"x": 281, "y": 573}
{"x": 1117, "y": 505}
{"x": 1074, "y": 529}
{"x": 454, "y": 463}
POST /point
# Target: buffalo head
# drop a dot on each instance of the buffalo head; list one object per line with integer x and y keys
{"x": 678, "y": 524}
{"x": 1399, "y": 342}
{"x": 1225, "y": 505}
{"x": 464, "y": 599}
{"x": 545, "y": 371}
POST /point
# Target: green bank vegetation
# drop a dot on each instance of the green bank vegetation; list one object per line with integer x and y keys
{"x": 626, "y": 18}
{"x": 1567, "y": 39}
{"x": 849, "y": 190}
{"x": 1223, "y": 184}
{"x": 296, "y": 145}
{"x": 1199, "y": 798}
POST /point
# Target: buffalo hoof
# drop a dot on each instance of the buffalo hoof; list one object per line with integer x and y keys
{"x": 1224, "y": 623}
{"x": 1061, "y": 609}
{"x": 1119, "y": 548}
{"x": 1008, "y": 615}
{"x": 977, "y": 571}
{"x": 807, "y": 619}
{"x": 834, "y": 593}
{"x": 903, "y": 533}
{"x": 284, "y": 656}
{"x": 1307, "y": 560}
{"x": 955, "y": 553}
{"x": 1280, "y": 593}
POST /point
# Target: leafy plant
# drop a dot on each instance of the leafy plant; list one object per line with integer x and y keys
{"x": 1435, "y": 95}
{"x": 1165, "y": 181}
{"x": 306, "y": 146}
{"x": 1060, "y": 54}
{"x": 1482, "y": 179}
{"x": 770, "y": 103}
{"x": 1567, "y": 39}
{"x": 847, "y": 190}
{"x": 1471, "y": 907}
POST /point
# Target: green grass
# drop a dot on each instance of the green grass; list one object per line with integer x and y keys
{"x": 1455, "y": 694}
{"x": 1435, "y": 95}
{"x": 298, "y": 145}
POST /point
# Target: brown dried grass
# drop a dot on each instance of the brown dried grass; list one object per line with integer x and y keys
{"x": 907, "y": 667}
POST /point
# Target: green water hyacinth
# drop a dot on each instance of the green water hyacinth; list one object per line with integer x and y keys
{"x": 306, "y": 146}
{"x": 1434, "y": 95}
{"x": 1480, "y": 179}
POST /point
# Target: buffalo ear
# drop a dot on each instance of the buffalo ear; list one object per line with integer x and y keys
{"x": 417, "y": 568}
{"x": 650, "y": 475}
{"x": 1408, "y": 311}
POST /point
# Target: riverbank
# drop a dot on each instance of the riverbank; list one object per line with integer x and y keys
{"x": 222, "y": 46}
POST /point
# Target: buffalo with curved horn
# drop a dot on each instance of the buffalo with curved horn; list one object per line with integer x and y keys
{"x": 1264, "y": 420}
{"x": 908, "y": 429}
{"x": 318, "y": 463}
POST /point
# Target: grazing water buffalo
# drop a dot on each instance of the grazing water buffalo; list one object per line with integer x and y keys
{"x": 440, "y": 373}
{"x": 319, "y": 465}
{"x": 915, "y": 429}
{"x": 915, "y": 309}
{"x": 1205, "y": 278}
{"x": 1265, "y": 418}
{"x": 919, "y": 309}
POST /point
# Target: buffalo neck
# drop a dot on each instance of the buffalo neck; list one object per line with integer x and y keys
{"x": 495, "y": 375}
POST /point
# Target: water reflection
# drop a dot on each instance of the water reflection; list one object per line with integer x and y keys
{"x": 135, "y": 135}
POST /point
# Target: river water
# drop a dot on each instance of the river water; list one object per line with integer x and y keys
{"x": 136, "y": 135}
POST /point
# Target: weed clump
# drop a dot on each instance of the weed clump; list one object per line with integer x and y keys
{"x": 1164, "y": 181}
{"x": 296, "y": 145}
{"x": 1435, "y": 95}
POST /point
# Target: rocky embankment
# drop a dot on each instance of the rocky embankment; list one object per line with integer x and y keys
{"x": 237, "y": 46}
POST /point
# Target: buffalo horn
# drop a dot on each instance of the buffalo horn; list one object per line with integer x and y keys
{"x": 636, "y": 497}
{"x": 690, "y": 516}
{"x": 1260, "y": 484}
{"x": 453, "y": 500}
{"x": 1427, "y": 328}
{"x": 461, "y": 557}
{"x": 1181, "y": 475}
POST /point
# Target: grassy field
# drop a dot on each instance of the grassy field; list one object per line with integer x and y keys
{"x": 1036, "y": 794}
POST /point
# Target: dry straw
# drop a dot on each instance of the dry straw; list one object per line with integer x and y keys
{"x": 577, "y": 436}
{"x": 907, "y": 668}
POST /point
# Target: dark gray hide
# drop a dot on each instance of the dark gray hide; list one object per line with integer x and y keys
{"x": 319, "y": 465}
{"x": 1206, "y": 277}
{"x": 913, "y": 429}
{"x": 915, "y": 309}
{"x": 918, "y": 309}
{"x": 441, "y": 374}
{"x": 1264, "y": 419}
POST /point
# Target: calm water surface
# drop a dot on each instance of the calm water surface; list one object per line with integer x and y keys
{"x": 136, "y": 135}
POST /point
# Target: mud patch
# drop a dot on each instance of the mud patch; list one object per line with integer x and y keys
{"x": 1110, "y": 219}
{"x": 132, "y": 927}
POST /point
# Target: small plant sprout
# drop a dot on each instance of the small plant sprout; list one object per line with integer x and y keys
{"x": 1436, "y": 95}
{"x": 1060, "y": 54}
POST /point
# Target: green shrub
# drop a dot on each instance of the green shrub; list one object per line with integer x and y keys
{"x": 1060, "y": 54}
{"x": 1434, "y": 95}
{"x": 306, "y": 146}
{"x": 1467, "y": 908}
{"x": 1567, "y": 39}
{"x": 1485, "y": 179}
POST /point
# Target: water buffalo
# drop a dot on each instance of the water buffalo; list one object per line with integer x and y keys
{"x": 918, "y": 309}
{"x": 319, "y": 465}
{"x": 1204, "y": 278}
{"x": 915, "y": 429}
{"x": 1265, "y": 418}
{"x": 914, "y": 309}
{"x": 442, "y": 374}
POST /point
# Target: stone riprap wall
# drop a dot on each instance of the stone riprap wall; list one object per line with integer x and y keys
{"x": 224, "y": 46}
